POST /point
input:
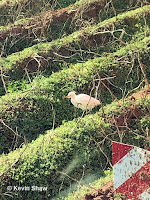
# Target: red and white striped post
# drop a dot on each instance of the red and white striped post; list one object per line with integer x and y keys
{"x": 131, "y": 169}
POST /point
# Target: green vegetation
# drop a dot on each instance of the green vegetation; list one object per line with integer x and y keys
{"x": 44, "y": 98}
{"x": 91, "y": 40}
{"x": 95, "y": 47}
{"x": 12, "y": 10}
{"x": 82, "y": 190}
{"x": 65, "y": 150}
{"x": 46, "y": 29}
{"x": 123, "y": 24}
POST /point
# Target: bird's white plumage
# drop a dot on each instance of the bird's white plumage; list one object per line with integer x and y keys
{"x": 83, "y": 101}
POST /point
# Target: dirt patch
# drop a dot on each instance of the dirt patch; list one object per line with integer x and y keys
{"x": 94, "y": 8}
{"x": 126, "y": 117}
{"x": 141, "y": 94}
{"x": 32, "y": 64}
{"x": 24, "y": 106}
{"x": 104, "y": 193}
{"x": 40, "y": 27}
{"x": 90, "y": 40}
{"x": 132, "y": 112}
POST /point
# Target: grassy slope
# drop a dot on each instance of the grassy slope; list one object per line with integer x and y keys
{"x": 47, "y": 25}
{"x": 76, "y": 37}
{"x": 76, "y": 146}
{"x": 93, "y": 40}
{"x": 22, "y": 9}
{"x": 72, "y": 145}
{"x": 48, "y": 94}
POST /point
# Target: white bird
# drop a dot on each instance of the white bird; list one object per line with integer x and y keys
{"x": 83, "y": 101}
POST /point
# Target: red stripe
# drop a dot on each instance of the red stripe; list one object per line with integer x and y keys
{"x": 119, "y": 150}
{"x": 137, "y": 184}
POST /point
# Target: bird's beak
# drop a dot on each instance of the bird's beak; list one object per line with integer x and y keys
{"x": 67, "y": 96}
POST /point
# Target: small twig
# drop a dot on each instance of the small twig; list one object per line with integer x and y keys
{"x": 111, "y": 92}
{"x": 74, "y": 179}
{"x": 143, "y": 71}
{"x": 102, "y": 151}
{"x": 115, "y": 122}
{"x": 2, "y": 78}
{"x": 27, "y": 74}
{"x": 104, "y": 133}
{"x": 53, "y": 124}
{"x": 9, "y": 128}
{"x": 77, "y": 122}
{"x": 59, "y": 4}
{"x": 2, "y": 195}
{"x": 113, "y": 8}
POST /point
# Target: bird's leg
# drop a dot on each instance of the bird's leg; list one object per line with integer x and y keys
{"x": 79, "y": 119}
{"x": 75, "y": 112}
{"x": 87, "y": 111}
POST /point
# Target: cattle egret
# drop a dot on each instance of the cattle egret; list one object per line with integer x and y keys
{"x": 83, "y": 101}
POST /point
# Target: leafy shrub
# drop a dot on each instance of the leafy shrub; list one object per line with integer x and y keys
{"x": 46, "y": 100}
{"x": 61, "y": 153}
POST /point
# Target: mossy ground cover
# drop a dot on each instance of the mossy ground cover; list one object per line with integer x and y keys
{"x": 44, "y": 140}
{"x": 107, "y": 36}
{"x": 128, "y": 24}
{"x": 43, "y": 101}
{"x": 57, "y": 158}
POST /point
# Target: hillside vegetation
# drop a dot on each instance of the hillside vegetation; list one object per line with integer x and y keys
{"x": 49, "y": 48}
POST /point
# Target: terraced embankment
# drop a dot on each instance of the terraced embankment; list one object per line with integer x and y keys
{"x": 60, "y": 154}
{"x": 44, "y": 98}
{"x": 54, "y": 24}
{"x": 106, "y": 36}
{"x": 102, "y": 50}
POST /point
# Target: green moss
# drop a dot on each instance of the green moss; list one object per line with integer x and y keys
{"x": 44, "y": 97}
{"x": 74, "y": 39}
{"x": 90, "y": 31}
{"x": 67, "y": 148}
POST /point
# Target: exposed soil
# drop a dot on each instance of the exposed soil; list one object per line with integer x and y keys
{"x": 104, "y": 193}
{"x": 141, "y": 94}
{"x": 39, "y": 23}
{"x": 131, "y": 113}
{"x": 126, "y": 117}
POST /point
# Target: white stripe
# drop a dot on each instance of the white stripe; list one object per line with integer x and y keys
{"x": 145, "y": 195}
{"x": 129, "y": 164}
